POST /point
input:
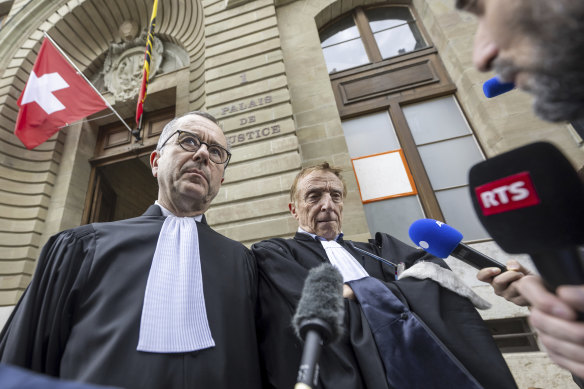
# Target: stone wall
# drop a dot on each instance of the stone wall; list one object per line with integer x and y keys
{"x": 248, "y": 91}
{"x": 502, "y": 123}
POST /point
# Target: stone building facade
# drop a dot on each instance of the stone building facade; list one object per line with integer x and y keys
{"x": 262, "y": 68}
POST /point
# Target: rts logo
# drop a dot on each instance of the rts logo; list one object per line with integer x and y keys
{"x": 507, "y": 194}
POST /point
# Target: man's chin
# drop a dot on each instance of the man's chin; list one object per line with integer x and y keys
{"x": 196, "y": 192}
{"x": 328, "y": 233}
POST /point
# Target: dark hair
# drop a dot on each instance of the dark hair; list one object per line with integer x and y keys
{"x": 323, "y": 167}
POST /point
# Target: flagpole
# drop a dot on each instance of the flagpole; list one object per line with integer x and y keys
{"x": 135, "y": 133}
{"x": 146, "y": 67}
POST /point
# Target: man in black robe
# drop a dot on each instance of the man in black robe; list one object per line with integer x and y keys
{"x": 353, "y": 361}
{"x": 81, "y": 318}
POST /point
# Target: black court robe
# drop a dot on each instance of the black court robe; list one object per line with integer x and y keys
{"x": 353, "y": 361}
{"x": 80, "y": 317}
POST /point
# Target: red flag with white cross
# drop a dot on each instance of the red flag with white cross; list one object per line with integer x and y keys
{"x": 54, "y": 96}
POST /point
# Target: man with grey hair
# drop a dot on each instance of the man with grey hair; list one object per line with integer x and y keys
{"x": 157, "y": 301}
{"x": 539, "y": 46}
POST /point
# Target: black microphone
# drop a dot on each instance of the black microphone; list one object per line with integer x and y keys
{"x": 441, "y": 240}
{"x": 531, "y": 200}
{"x": 318, "y": 319}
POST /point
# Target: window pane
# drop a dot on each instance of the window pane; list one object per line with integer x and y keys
{"x": 448, "y": 162}
{"x": 435, "y": 120}
{"x": 397, "y": 41}
{"x": 345, "y": 55}
{"x": 387, "y": 17}
{"x": 456, "y": 206}
{"x": 394, "y": 216}
{"x": 341, "y": 31}
{"x": 370, "y": 134}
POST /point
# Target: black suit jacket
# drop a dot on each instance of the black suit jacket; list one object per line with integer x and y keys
{"x": 80, "y": 317}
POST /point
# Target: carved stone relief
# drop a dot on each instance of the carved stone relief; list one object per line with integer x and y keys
{"x": 122, "y": 69}
{"x": 121, "y": 74}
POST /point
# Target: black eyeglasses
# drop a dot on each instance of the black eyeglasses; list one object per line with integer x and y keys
{"x": 191, "y": 142}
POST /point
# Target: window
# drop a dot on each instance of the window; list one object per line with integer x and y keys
{"x": 395, "y": 31}
{"x": 447, "y": 149}
{"x": 367, "y": 36}
{"x": 342, "y": 46}
{"x": 401, "y": 99}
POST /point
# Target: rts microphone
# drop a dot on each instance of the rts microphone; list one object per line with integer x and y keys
{"x": 494, "y": 87}
{"x": 318, "y": 319}
{"x": 441, "y": 240}
{"x": 531, "y": 200}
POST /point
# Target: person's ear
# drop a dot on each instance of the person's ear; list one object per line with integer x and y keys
{"x": 154, "y": 157}
{"x": 292, "y": 209}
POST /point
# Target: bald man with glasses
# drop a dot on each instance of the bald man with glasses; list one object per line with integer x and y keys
{"x": 157, "y": 301}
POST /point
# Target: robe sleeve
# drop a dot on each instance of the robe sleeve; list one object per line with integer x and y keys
{"x": 37, "y": 331}
{"x": 452, "y": 318}
{"x": 278, "y": 296}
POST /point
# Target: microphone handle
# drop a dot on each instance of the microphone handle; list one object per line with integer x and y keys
{"x": 308, "y": 370}
{"x": 475, "y": 258}
{"x": 560, "y": 267}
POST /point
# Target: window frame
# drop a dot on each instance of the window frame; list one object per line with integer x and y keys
{"x": 435, "y": 84}
{"x": 368, "y": 39}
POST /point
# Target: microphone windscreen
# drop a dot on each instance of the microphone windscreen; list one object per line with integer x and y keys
{"x": 494, "y": 87}
{"x": 321, "y": 299}
{"x": 435, "y": 237}
{"x": 529, "y": 199}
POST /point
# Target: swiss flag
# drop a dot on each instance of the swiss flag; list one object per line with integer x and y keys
{"x": 54, "y": 96}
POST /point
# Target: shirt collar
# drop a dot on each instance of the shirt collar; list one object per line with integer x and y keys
{"x": 316, "y": 237}
{"x": 166, "y": 212}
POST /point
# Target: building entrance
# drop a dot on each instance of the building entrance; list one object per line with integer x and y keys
{"x": 121, "y": 185}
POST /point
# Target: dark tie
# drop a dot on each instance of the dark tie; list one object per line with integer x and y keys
{"x": 412, "y": 355}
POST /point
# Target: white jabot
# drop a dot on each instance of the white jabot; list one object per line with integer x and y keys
{"x": 174, "y": 317}
{"x": 339, "y": 257}
{"x": 349, "y": 267}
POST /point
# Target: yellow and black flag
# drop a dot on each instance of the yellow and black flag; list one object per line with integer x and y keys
{"x": 146, "y": 68}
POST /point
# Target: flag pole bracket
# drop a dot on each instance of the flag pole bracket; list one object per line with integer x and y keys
{"x": 136, "y": 134}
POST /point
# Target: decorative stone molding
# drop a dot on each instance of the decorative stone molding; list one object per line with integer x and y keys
{"x": 122, "y": 69}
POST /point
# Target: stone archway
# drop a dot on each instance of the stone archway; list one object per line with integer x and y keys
{"x": 29, "y": 178}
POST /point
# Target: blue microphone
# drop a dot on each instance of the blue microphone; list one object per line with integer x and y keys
{"x": 441, "y": 240}
{"x": 494, "y": 87}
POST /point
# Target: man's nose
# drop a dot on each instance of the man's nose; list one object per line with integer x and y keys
{"x": 326, "y": 202}
{"x": 202, "y": 153}
{"x": 484, "y": 50}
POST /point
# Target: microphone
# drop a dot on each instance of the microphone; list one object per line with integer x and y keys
{"x": 441, "y": 240}
{"x": 318, "y": 319}
{"x": 494, "y": 87}
{"x": 531, "y": 200}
